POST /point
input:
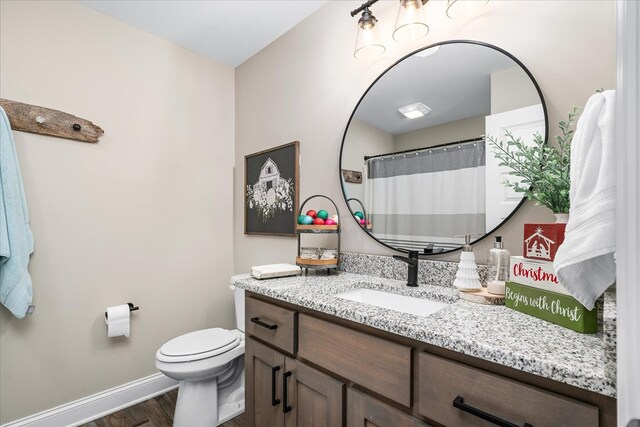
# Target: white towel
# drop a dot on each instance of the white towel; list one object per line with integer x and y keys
{"x": 274, "y": 270}
{"x": 585, "y": 263}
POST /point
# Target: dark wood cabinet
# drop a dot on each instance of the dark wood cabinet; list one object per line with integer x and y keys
{"x": 299, "y": 364}
{"x": 348, "y": 353}
{"x": 315, "y": 399}
{"x": 263, "y": 384}
{"x": 453, "y": 394}
{"x": 281, "y": 391}
{"x": 270, "y": 323}
{"x": 365, "y": 411}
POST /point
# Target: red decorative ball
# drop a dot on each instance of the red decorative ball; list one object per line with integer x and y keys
{"x": 318, "y": 221}
{"x": 312, "y": 213}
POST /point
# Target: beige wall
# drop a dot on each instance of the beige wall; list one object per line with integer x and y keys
{"x": 143, "y": 216}
{"x": 305, "y": 85}
{"x": 363, "y": 140}
{"x": 512, "y": 89}
{"x": 459, "y": 130}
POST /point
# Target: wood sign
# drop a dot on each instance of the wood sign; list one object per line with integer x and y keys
{"x": 354, "y": 177}
{"x": 556, "y": 308}
{"x": 46, "y": 121}
{"x": 537, "y": 274}
{"x": 541, "y": 241}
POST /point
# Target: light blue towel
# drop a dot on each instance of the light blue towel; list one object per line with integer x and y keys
{"x": 16, "y": 240}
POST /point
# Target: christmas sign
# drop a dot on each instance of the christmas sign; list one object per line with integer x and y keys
{"x": 537, "y": 274}
{"x": 541, "y": 241}
{"x": 556, "y": 308}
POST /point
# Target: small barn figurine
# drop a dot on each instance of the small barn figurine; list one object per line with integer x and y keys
{"x": 541, "y": 241}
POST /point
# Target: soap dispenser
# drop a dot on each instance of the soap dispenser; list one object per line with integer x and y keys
{"x": 467, "y": 279}
{"x": 498, "y": 262}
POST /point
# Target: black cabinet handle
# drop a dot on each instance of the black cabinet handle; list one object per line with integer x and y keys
{"x": 285, "y": 407}
{"x": 274, "y": 372}
{"x": 458, "y": 403}
{"x": 257, "y": 321}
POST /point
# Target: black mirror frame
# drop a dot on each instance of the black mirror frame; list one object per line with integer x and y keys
{"x": 546, "y": 134}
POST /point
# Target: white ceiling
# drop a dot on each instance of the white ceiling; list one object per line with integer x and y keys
{"x": 454, "y": 82}
{"x": 228, "y": 31}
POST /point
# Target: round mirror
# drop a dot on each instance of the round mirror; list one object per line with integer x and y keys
{"x": 417, "y": 163}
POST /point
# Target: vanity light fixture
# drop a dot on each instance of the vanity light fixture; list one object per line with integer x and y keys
{"x": 411, "y": 24}
{"x": 414, "y": 111}
{"x": 368, "y": 39}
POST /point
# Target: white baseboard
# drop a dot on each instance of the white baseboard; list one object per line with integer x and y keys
{"x": 100, "y": 404}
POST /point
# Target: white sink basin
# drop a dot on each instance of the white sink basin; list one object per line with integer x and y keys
{"x": 402, "y": 303}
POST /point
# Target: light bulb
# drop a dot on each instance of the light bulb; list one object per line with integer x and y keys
{"x": 368, "y": 45}
{"x": 411, "y": 24}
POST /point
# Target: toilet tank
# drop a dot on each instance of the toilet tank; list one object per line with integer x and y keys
{"x": 238, "y": 296}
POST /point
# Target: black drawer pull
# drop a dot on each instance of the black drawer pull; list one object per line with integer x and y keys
{"x": 458, "y": 403}
{"x": 285, "y": 407}
{"x": 257, "y": 321}
{"x": 274, "y": 372}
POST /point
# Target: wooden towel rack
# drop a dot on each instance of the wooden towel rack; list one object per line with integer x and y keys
{"x": 47, "y": 121}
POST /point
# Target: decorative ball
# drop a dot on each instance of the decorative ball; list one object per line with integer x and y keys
{"x": 312, "y": 213}
{"x": 301, "y": 219}
{"x": 363, "y": 222}
{"x": 323, "y": 214}
{"x": 307, "y": 220}
{"x": 359, "y": 214}
{"x": 318, "y": 221}
{"x": 329, "y": 221}
{"x": 334, "y": 218}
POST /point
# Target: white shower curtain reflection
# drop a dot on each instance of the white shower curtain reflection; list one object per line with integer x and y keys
{"x": 427, "y": 196}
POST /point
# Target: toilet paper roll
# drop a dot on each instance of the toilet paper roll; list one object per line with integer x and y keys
{"x": 117, "y": 320}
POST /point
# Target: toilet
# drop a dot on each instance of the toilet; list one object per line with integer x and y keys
{"x": 210, "y": 367}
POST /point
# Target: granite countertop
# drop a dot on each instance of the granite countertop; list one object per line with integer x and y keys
{"x": 493, "y": 333}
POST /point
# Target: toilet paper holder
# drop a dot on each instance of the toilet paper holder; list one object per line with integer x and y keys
{"x": 131, "y": 308}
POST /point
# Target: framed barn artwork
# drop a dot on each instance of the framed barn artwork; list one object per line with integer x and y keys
{"x": 271, "y": 181}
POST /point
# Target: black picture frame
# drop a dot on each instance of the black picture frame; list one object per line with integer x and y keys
{"x": 271, "y": 190}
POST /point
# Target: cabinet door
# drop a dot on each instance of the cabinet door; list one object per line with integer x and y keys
{"x": 311, "y": 398}
{"x": 263, "y": 374}
{"x": 365, "y": 411}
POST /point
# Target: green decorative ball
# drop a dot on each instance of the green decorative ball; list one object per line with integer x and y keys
{"x": 359, "y": 214}
{"x": 301, "y": 219}
{"x": 323, "y": 214}
{"x": 307, "y": 220}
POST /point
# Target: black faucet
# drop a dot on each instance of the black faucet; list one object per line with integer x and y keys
{"x": 412, "y": 260}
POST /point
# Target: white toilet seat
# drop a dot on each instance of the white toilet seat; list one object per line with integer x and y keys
{"x": 198, "y": 345}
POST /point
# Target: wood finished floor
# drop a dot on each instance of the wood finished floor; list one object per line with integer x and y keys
{"x": 156, "y": 412}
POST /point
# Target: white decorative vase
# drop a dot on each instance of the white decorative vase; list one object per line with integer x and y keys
{"x": 562, "y": 218}
{"x": 467, "y": 278}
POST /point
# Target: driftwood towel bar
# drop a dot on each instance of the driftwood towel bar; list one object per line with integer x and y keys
{"x": 46, "y": 121}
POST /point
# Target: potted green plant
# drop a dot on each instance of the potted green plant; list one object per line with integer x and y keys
{"x": 543, "y": 168}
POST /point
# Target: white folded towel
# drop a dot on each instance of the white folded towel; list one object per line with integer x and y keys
{"x": 274, "y": 270}
{"x": 585, "y": 261}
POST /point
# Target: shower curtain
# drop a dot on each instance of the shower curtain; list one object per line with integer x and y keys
{"x": 427, "y": 196}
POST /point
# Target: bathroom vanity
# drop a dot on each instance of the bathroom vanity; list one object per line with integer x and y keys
{"x": 314, "y": 357}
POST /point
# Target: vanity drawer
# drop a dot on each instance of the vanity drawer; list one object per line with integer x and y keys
{"x": 443, "y": 381}
{"x": 272, "y": 324}
{"x": 377, "y": 364}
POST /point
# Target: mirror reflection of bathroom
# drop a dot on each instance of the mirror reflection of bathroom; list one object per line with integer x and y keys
{"x": 418, "y": 139}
